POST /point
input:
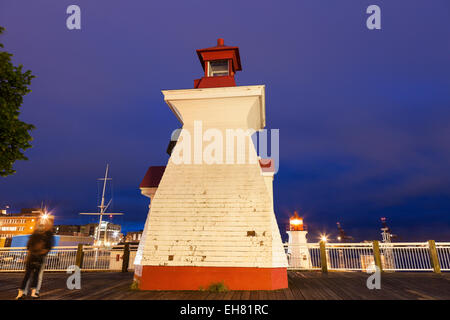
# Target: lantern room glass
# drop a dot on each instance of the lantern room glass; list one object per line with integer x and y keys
{"x": 217, "y": 68}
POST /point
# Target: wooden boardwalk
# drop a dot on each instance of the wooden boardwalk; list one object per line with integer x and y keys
{"x": 302, "y": 286}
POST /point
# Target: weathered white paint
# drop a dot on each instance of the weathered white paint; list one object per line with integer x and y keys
{"x": 217, "y": 215}
{"x": 268, "y": 180}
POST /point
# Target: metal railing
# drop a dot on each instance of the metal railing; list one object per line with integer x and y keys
{"x": 60, "y": 258}
{"x": 407, "y": 256}
{"x": 356, "y": 257}
{"x": 303, "y": 256}
{"x": 443, "y": 252}
{"x": 412, "y": 256}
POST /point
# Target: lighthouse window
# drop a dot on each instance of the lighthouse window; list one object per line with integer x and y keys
{"x": 218, "y": 68}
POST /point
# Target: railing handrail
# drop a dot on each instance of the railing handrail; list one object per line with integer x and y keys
{"x": 368, "y": 244}
{"x": 117, "y": 247}
{"x": 25, "y": 248}
{"x": 404, "y": 243}
{"x": 356, "y": 244}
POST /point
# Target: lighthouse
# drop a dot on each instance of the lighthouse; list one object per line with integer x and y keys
{"x": 297, "y": 246}
{"x": 211, "y": 218}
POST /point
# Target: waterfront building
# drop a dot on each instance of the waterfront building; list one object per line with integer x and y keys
{"x": 23, "y": 223}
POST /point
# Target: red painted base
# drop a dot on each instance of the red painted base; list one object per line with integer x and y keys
{"x": 195, "y": 278}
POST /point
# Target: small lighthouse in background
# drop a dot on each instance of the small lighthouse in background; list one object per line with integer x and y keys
{"x": 297, "y": 250}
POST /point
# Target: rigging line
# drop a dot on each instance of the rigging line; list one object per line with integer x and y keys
{"x": 112, "y": 194}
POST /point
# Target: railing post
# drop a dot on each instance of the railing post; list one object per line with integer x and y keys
{"x": 323, "y": 257}
{"x": 434, "y": 260}
{"x": 377, "y": 255}
{"x": 126, "y": 257}
{"x": 80, "y": 255}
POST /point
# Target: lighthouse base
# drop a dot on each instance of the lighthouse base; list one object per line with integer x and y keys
{"x": 196, "y": 278}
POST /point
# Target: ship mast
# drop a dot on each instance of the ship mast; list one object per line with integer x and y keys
{"x": 386, "y": 234}
{"x": 103, "y": 209}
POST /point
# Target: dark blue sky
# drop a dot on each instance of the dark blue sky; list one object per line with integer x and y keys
{"x": 364, "y": 116}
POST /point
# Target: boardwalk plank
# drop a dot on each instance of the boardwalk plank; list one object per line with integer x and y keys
{"x": 245, "y": 295}
{"x": 236, "y": 295}
{"x": 228, "y": 296}
{"x": 294, "y": 287}
{"x": 302, "y": 285}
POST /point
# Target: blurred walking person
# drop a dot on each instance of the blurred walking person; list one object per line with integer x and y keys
{"x": 49, "y": 242}
{"x": 39, "y": 244}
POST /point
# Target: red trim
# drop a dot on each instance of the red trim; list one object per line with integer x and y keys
{"x": 195, "y": 278}
{"x": 215, "y": 82}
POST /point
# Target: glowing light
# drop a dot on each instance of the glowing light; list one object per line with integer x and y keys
{"x": 324, "y": 238}
{"x": 296, "y": 222}
{"x": 339, "y": 238}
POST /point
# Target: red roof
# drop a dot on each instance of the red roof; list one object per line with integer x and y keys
{"x": 221, "y": 51}
{"x": 152, "y": 177}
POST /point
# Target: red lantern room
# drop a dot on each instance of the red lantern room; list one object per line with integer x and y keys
{"x": 220, "y": 63}
{"x": 296, "y": 223}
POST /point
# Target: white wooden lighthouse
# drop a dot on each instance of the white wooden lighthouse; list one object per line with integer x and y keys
{"x": 211, "y": 217}
{"x": 298, "y": 252}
